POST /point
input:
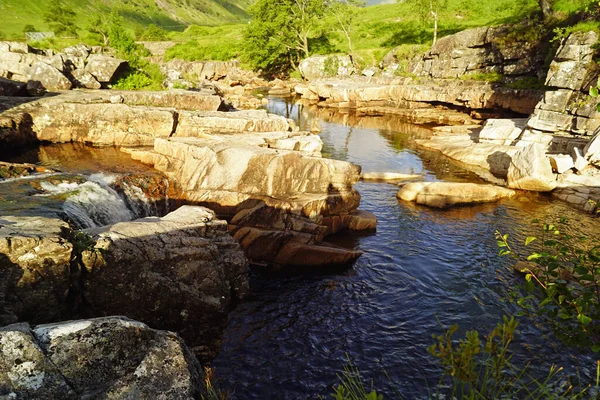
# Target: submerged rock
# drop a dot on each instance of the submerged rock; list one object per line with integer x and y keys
{"x": 111, "y": 357}
{"x": 448, "y": 194}
{"x": 182, "y": 272}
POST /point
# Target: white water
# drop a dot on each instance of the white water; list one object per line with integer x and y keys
{"x": 94, "y": 203}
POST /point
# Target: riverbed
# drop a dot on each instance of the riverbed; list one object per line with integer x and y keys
{"x": 422, "y": 271}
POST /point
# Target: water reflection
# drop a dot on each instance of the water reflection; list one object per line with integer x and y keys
{"x": 291, "y": 337}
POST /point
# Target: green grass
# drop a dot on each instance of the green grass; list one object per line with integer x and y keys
{"x": 172, "y": 15}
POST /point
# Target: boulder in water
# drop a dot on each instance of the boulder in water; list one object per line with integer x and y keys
{"x": 530, "y": 169}
{"x": 182, "y": 272}
{"x": 448, "y": 194}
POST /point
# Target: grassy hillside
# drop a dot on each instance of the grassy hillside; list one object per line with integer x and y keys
{"x": 173, "y": 15}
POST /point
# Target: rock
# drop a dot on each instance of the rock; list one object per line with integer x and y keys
{"x": 561, "y": 163}
{"x": 502, "y": 131}
{"x": 112, "y": 357}
{"x": 579, "y": 191}
{"x": 182, "y": 272}
{"x": 43, "y": 77}
{"x": 193, "y": 124}
{"x": 592, "y": 150}
{"x": 179, "y": 99}
{"x": 84, "y": 79}
{"x": 35, "y": 263}
{"x": 369, "y": 72}
{"x": 580, "y": 162}
{"x": 14, "y": 47}
{"x": 387, "y": 177}
{"x": 101, "y": 124}
{"x": 573, "y": 66}
{"x": 80, "y": 50}
{"x": 12, "y": 88}
{"x": 13, "y": 170}
{"x": 323, "y": 66}
{"x": 104, "y": 68}
{"x": 448, "y": 194}
{"x": 530, "y": 170}
{"x": 361, "y": 220}
{"x": 16, "y": 130}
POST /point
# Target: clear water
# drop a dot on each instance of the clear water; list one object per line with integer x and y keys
{"x": 292, "y": 335}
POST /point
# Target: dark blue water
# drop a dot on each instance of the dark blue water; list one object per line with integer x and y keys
{"x": 422, "y": 270}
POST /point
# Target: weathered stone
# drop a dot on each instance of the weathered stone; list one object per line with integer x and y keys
{"x": 387, "y": 177}
{"x": 561, "y": 163}
{"x": 361, "y": 220}
{"x": 322, "y": 66}
{"x": 580, "y": 161}
{"x": 179, "y": 99}
{"x": 35, "y": 261}
{"x": 182, "y": 272}
{"x": 79, "y": 50}
{"x": 448, "y": 194}
{"x": 592, "y": 150}
{"x": 12, "y": 88}
{"x": 102, "y": 124}
{"x": 112, "y": 357}
{"x": 84, "y": 79}
{"x": 193, "y": 124}
{"x": 530, "y": 170}
{"x": 502, "y": 131}
{"x": 43, "y": 77}
{"x": 15, "y": 170}
{"x": 14, "y": 47}
{"x": 573, "y": 66}
{"x": 16, "y": 130}
{"x": 104, "y": 68}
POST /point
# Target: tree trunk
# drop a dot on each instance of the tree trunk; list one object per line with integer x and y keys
{"x": 546, "y": 8}
{"x": 435, "y": 29}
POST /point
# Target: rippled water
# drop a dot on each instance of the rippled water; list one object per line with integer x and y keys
{"x": 292, "y": 335}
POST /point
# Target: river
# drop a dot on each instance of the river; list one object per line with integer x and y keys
{"x": 422, "y": 271}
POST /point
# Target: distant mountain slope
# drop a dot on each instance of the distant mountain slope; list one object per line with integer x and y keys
{"x": 170, "y": 14}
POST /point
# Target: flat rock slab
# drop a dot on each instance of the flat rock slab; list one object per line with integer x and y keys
{"x": 194, "y": 124}
{"x": 448, "y": 194}
{"x": 387, "y": 177}
{"x": 111, "y": 357}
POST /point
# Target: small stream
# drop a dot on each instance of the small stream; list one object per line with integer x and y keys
{"x": 422, "y": 270}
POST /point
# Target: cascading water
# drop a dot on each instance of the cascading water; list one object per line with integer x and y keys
{"x": 95, "y": 203}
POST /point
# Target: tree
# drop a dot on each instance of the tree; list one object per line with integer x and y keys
{"x": 430, "y": 10}
{"x": 344, "y": 13}
{"x": 61, "y": 19}
{"x": 99, "y": 24}
{"x": 546, "y": 8}
{"x": 280, "y": 32}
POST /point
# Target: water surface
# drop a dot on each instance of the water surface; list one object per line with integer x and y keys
{"x": 422, "y": 270}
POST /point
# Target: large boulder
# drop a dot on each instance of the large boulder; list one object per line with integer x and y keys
{"x": 191, "y": 124}
{"x": 12, "y": 88}
{"x": 16, "y": 130}
{"x": 43, "y": 77}
{"x": 448, "y": 194}
{"x": 502, "y": 131}
{"x": 592, "y": 150}
{"x": 84, "y": 79}
{"x": 530, "y": 169}
{"x": 110, "y": 358}
{"x": 36, "y": 269}
{"x": 104, "y": 68}
{"x": 182, "y": 272}
{"x": 323, "y": 66}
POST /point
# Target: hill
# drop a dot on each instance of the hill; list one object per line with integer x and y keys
{"x": 172, "y": 15}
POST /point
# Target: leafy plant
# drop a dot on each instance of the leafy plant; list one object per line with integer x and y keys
{"x": 482, "y": 368}
{"x": 331, "y": 65}
{"x": 61, "y": 19}
{"x": 212, "y": 393}
{"x": 594, "y": 91}
{"x": 563, "y": 281}
{"x": 351, "y": 386}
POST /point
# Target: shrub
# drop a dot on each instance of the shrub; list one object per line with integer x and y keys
{"x": 193, "y": 51}
{"x": 528, "y": 82}
{"x": 563, "y": 281}
{"x": 492, "y": 77}
{"x": 153, "y": 33}
{"x": 331, "y": 65}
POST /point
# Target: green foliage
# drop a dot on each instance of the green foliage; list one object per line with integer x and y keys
{"x": 595, "y": 91}
{"x": 279, "y": 33}
{"x": 331, "y": 65}
{"x": 351, "y": 386}
{"x": 528, "y": 82}
{"x": 482, "y": 368}
{"x": 563, "y": 282}
{"x": 99, "y": 24}
{"x": 194, "y": 51}
{"x": 153, "y": 33}
{"x": 2, "y": 35}
{"x": 492, "y": 77}
{"x": 29, "y": 28}
{"x": 61, "y": 19}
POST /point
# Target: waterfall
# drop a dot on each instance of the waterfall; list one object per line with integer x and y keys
{"x": 94, "y": 203}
